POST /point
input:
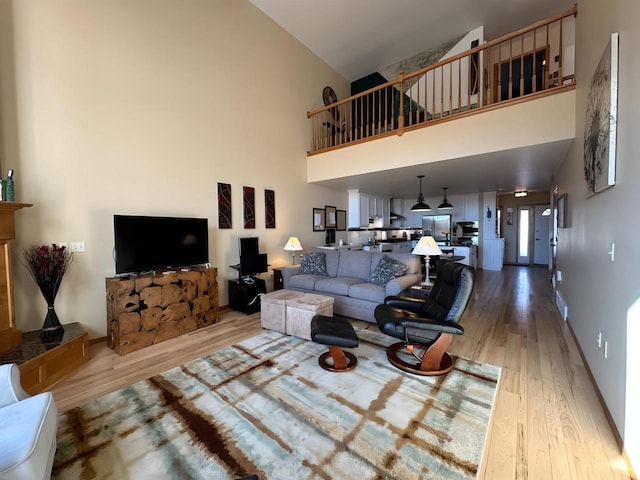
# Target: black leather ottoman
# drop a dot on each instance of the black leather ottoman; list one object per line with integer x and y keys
{"x": 335, "y": 332}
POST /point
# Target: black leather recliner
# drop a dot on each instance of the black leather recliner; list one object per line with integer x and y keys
{"x": 428, "y": 324}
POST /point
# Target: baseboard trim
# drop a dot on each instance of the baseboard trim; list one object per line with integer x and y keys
{"x": 607, "y": 413}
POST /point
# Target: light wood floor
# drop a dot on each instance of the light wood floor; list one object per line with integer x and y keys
{"x": 547, "y": 420}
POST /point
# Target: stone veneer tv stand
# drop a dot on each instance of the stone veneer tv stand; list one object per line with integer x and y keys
{"x": 149, "y": 309}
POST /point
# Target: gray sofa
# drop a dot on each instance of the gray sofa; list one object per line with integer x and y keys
{"x": 347, "y": 280}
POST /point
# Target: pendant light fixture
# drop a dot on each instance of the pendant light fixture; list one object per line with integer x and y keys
{"x": 420, "y": 206}
{"x": 445, "y": 205}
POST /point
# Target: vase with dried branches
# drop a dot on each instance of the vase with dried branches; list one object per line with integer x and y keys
{"x": 47, "y": 265}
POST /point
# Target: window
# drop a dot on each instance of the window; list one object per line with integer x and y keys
{"x": 523, "y": 239}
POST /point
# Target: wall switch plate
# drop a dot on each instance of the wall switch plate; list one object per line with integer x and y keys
{"x": 77, "y": 247}
{"x": 599, "y": 338}
{"x": 559, "y": 276}
{"x": 606, "y": 349}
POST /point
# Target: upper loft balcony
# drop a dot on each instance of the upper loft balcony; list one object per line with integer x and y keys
{"x": 526, "y": 78}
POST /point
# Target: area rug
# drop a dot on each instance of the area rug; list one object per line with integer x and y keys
{"x": 265, "y": 407}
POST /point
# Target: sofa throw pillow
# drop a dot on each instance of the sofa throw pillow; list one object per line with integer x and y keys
{"x": 386, "y": 270}
{"x": 314, "y": 263}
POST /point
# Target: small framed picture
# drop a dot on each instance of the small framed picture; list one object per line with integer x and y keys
{"x": 341, "y": 220}
{"x": 329, "y": 216}
{"x": 318, "y": 219}
{"x": 562, "y": 211}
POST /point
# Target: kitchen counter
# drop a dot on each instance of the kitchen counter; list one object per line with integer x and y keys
{"x": 383, "y": 229}
{"x": 335, "y": 246}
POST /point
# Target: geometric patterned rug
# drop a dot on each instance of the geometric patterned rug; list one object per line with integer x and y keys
{"x": 265, "y": 407}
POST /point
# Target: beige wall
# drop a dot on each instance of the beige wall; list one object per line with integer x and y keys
{"x": 603, "y": 295}
{"x": 141, "y": 107}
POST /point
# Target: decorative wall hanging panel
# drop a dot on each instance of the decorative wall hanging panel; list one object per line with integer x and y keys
{"x": 249, "y": 196}
{"x": 270, "y": 209}
{"x": 224, "y": 205}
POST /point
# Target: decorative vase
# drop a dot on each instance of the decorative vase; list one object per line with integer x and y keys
{"x": 51, "y": 329}
{"x": 47, "y": 265}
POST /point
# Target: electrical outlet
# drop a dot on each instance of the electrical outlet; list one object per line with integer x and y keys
{"x": 599, "y": 338}
{"x": 77, "y": 247}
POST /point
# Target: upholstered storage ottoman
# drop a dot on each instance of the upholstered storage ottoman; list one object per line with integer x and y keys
{"x": 273, "y": 310}
{"x": 302, "y": 309}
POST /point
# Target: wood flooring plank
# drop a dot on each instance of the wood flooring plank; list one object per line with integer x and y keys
{"x": 501, "y": 463}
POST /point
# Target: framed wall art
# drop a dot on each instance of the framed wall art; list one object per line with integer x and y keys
{"x": 341, "y": 220}
{"x": 600, "y": 122}
{"x": 562, "y": 211}
{"x": 329, "y": 216}
{"x": 318, "y": 219}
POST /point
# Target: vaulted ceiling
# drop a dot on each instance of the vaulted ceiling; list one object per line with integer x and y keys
{"x": 359, "y": 37}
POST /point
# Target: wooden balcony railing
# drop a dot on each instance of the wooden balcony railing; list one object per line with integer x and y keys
{"x": 535, "y": 60}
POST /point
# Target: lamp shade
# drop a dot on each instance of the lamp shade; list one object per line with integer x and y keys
{"x": 427, "y": 246}
{"x": 420, "y": 206}
{"x": 293, "y": 244}
{"x": 445, "y": 205}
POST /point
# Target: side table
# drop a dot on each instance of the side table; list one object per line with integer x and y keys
{"x": 416, "y": 291}
{"x": 278, "y": 281}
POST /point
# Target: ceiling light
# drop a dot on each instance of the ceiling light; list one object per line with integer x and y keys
{"x": 420, "y": 206}
{"x": 521, "y": 193}
{"x": 445, "y": 205}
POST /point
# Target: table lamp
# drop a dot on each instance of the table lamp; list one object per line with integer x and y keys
{"x": 426, "y": 246}
{"x": 293, "y": 245}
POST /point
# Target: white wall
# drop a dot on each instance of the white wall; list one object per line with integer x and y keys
{"x": 601, "y": 294}
{"x": 451, "y": 81}
{"x": 140, "y": 107}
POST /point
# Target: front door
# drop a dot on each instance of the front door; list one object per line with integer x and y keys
{"x": 541, "y": 235}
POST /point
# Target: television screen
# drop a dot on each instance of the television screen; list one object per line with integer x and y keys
{"x": 148, "y": 243}
{"x": 248, "y": 246}
{"x": 253, "y": 264}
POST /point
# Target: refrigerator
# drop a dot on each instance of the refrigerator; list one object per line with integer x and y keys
{"x": 438, "y": 227}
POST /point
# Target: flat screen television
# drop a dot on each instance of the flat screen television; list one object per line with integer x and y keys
{"x": 248, "y": 246}
{"x": 253, "y": 264}
{"x": 144, "y": 243}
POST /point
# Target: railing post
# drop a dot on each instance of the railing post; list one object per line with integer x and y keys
{"x": 401, "y": 106}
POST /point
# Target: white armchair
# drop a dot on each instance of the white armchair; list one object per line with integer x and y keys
{"x": 28, "y": 427}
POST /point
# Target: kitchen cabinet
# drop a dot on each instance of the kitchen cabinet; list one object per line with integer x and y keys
{"x": 363, "y": 206}
{"x": 471, "y": 212}
{"x": 365, "y": 210}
